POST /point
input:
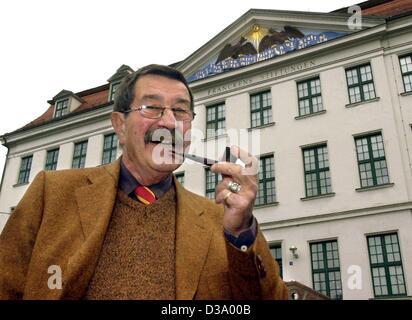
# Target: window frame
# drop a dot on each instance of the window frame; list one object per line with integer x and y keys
{"x": 53, "y": 164}
{"x": 113, "y": 86}
{"x": 371, "y": 159}
{"x": 215, "y": 122}
{"x": 217, "y": 179}
{"x": 326, "y": 270}
{"x": 61, "y": 111}
{"x": 386, "y": 264}
{"x": 274, "y": 249}
{"x": 360, "y": 83}
{"x": 310, "y": 96}
{"x": 261, "y": 109}
{"x": 25, "y": 171}
{"x": 317, "y": 170}
{"x": 408, "y": 73}
{"x": 82, "y": 153}
{"x": 112, "y": 149}
{"x": 265, "y": 180}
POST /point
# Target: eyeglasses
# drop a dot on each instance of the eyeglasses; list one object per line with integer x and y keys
{"x": 156, "y": 112}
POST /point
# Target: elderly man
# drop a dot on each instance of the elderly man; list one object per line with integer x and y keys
{"x": 129, "y": 230}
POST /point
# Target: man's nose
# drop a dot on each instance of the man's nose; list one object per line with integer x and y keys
{"x": 168, "y": 119}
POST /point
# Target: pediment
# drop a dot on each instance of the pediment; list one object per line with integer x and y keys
{"x": 260, "y": 35}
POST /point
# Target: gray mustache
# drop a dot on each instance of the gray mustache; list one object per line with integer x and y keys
{"x": 165, "y": 136}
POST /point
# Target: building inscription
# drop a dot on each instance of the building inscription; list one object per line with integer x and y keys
{"x": 261, "y": 77}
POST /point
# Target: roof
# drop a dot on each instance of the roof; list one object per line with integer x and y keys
{"x": 384, "y": 8}
{"x": 92, "y": 99}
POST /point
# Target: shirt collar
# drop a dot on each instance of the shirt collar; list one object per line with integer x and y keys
{"x": 128, "y": 183}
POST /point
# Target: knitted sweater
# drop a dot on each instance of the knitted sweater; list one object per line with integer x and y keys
{"x": 137, "y": 260}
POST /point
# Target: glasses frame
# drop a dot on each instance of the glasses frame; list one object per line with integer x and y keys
{"x": 162, "y": 111}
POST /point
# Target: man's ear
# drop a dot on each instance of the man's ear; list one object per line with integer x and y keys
{"x": 118, "y": 123}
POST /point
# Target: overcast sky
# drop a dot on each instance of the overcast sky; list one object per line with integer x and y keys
{"x": 50, "y": 45}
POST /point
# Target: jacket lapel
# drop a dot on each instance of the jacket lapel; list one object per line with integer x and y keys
{"x": 95, "y": 204}
{"x": 192, "y": 243}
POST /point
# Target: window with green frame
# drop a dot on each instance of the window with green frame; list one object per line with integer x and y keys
{"x": 51, "y": 159}
{"x": 360, "y": 83}
{"x": 326, "y": 268}
{"x": 406, "y": 69}
{"x": 267, "y": 187}
{"x": 261, "y": 109}
{"x": 109, "y": 148}
{"x": 276, "y": 250}
{"x": 25, "y": 168}
{"x": 79, "y": 154}
{"x": 386, "y": 265}
{"x": 309, "y": 96}
{"x": 317, "y": 173}
{"x": 62, "y": 107}
{"x": 373, "y": 170}
{"x": 113, "y": 89}
{"x": 180, "y": 176}
{"x": 212, "y": 179}
{"x": 215, "y": 120}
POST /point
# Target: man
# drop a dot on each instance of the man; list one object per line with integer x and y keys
{"x": 129, "y": 230}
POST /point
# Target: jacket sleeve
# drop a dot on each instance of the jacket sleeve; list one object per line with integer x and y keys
{"x": 254, "y": 274}
{"x": 18, "y": 238}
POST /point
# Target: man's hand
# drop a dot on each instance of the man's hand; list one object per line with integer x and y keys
{"x": 238, "y": 205}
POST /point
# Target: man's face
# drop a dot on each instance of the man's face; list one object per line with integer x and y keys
{"x": 151, "y": 90}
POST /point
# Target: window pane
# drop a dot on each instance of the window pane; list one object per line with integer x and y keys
{"x": 326, "y": 268}
{"x": 261, "y": 109}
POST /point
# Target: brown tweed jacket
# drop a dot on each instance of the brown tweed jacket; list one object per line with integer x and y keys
{"x": 62, "y": 220}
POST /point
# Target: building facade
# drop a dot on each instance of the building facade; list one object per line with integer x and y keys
{"x": 327, "y": 108}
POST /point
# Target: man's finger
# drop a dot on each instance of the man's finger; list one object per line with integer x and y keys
{"x": 250, "y": 161}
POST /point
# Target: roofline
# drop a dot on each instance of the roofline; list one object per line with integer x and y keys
{"x": 69, "y": 115}
{"x": 87, "y": 92}
{"x": 399, "y": 16}
{"x": 363, "y": 5}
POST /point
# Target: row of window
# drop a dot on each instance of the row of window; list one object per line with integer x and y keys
{"x": 360, "y": 88}
{"x": 79, "y": 157}
{"x": 384, "y": 258}
{"x": 373, "y": 170}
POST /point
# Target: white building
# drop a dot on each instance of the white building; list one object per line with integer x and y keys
{"x": 332, "y": 106}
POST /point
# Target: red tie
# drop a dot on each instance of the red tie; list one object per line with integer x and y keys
{"x": 145, "y": 195}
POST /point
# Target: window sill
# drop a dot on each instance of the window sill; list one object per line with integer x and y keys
{"x": 326, "y": 195}
{"x": 266, "y": 205}
{"x": 381, "y": 186}
{"x": 351, "y": 105}
{"x": 392, "y": 298}
{"x": 20, "y": 184}
{"x": 262, "y": 127}
{"x": 407, "y": 93}
{"x": 310, "y": 115}
{"x": 224, "y": 135}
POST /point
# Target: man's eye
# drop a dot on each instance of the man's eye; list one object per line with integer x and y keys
{"x": 179, "y": 110}
{"x": 153, "y": 107}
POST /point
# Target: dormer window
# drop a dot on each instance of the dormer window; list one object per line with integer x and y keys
{"x": 62, "y": 107}
{"x": 116, "y": 79}
{"x": 113, "y": 88}
{"x": 64, "y": 103}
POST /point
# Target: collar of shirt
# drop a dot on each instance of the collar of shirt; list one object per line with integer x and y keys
{"x": 128, "y": 183}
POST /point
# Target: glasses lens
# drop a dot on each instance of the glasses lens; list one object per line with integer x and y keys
{"x": 182, "y": 115}
{"x": 151, "y": 112}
